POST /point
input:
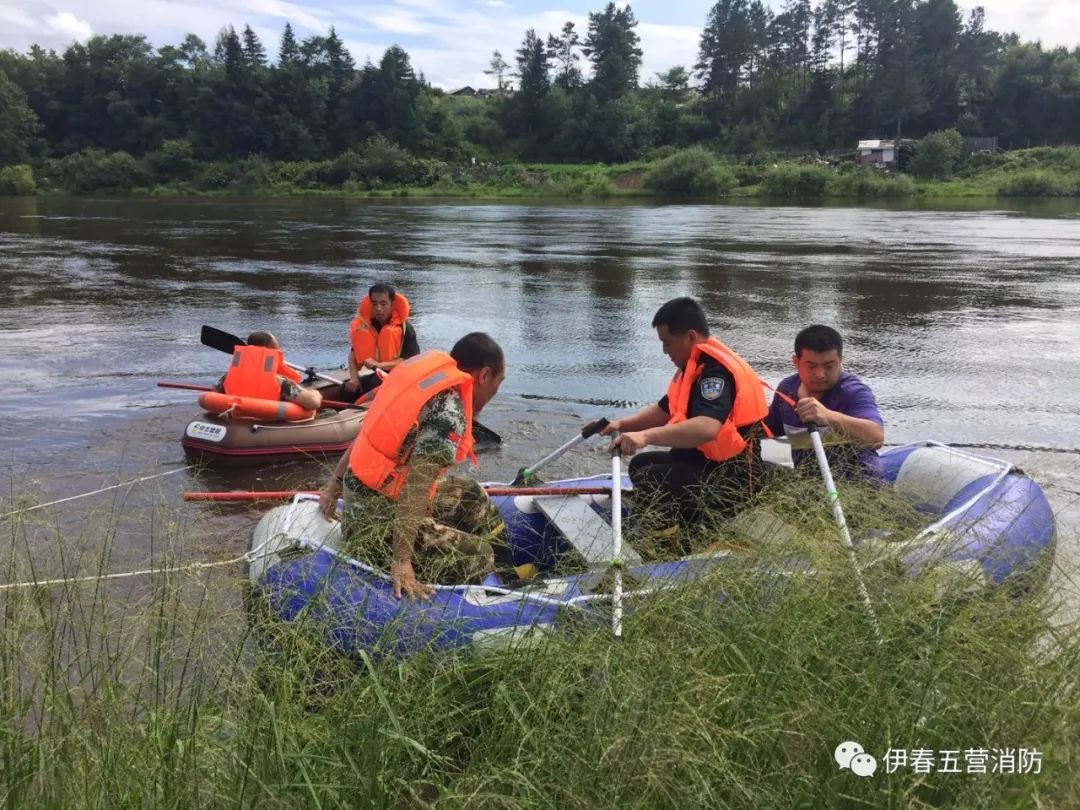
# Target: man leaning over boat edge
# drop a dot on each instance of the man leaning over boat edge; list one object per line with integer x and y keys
{"x": 394, "y": 475}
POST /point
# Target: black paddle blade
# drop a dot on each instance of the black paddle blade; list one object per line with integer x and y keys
{"x": 484, "y": 437}
{"x": 217, "y": 339}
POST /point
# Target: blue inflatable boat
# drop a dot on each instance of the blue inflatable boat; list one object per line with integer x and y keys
{"x": 986, "y": 520}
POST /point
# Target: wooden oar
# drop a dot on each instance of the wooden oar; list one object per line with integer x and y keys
{"x": 226, "y": 342}
{"x": 285, "y": 494}
{"x": 360, "y": 404}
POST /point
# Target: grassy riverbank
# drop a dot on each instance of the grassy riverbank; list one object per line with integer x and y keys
{"x": 384, "y": 170}
{"x": 152, "y": 692}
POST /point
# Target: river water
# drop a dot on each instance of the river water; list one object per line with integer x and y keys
{"x": 964, "y": 322}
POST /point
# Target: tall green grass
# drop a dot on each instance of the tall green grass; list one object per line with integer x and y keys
{"x": 154, "y": 692}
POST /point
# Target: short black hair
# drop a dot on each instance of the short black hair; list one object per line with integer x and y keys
{"x": 382, "y": 287}
{"x": 477, "y": 350}
{"x": 264, "y": 339}
{"x": 818, "y": 338}
{"x": 680, "y": 315}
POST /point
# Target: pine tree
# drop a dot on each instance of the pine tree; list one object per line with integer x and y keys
{"x": 563, "y": 50}
{"x": 498, "y": 67}
{"x": 533, "y": 81}
{"x": 725, "y": 50}
{"x": 612, "y": 47}
{"x": 288, "y": 52}
{"x": 254, "y": 52}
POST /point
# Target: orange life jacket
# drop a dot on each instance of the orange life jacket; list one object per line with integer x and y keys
{"x": 749, "y": 405}
{"x": 384, "y": 343}
{"x": 254, "y": 373}
{"x": 376, "y": 458}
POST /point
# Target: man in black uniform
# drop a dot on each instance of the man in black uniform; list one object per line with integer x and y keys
{"x": 715, "y": 458}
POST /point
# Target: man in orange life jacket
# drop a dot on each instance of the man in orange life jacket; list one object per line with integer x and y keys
{"x": 381, "y": 337}
{"x": 711, "y": 419}
{"x": 400, "y": 507}
{"x": 260, "y": 366}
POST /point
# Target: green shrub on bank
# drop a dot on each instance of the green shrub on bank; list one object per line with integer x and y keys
{"x": 864, "y": 184}
{"x": 937, "y": 154}
{"x": 693, "y": 172}
{"x": 594, "y": 182}
{"x": 749, "y": 174}
{"x": 17, "y": 181}
{"x": 794, "y": 180}
{"x": 1039, "y": 183}
{"x": 93, "y": 170}
{"x": 175, "y": 160}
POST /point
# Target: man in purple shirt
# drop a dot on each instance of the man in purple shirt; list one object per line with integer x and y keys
{"x": 841, "y": 404}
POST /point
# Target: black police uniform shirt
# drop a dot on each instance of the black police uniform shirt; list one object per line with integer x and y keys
{"x": 712, "y": 395}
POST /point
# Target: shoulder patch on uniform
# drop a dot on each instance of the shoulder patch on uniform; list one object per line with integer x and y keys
{"x": 712, "y": 388}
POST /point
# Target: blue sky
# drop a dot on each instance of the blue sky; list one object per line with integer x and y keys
{"x": 449, "y": 40}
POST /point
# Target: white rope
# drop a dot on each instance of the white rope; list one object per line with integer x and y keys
{"x": 125, "y": 574}
{"x": 95, "y": 492}
{"x": 248, "y": 557}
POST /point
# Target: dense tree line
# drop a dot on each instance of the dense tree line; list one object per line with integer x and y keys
{"x": 809, "y": 75}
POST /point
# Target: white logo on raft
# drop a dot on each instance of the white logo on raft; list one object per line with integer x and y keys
{"x": 205, "y": 431}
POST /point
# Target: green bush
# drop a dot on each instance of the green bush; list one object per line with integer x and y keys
{"x": 748, "y": 174}
{"x": 589, "y": 183}
{"x": 1066, "y": 158}
{"x": 694, "y": 172}
{"x": 94, "y": 170}
{"x": 659, "y": 153}
{"x": 255, "y": 176}
{"x": 793, "y": 180}
{"x": 867, "y": 184}
{"x": 380, "y": 162}
{"x": 175, "y": 160}
{"x": 937, "y": 154}
{"x": 1038, "y": 183}
{"x": 17, "y": 181}
{"x": 215, "y": 176}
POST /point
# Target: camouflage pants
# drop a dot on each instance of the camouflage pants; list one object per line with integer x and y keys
{"x": 456, "y": 544}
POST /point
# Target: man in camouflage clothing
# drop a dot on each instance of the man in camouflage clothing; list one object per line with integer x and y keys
{"x": 451, "y": 538}
{"x": 307, "y": 398}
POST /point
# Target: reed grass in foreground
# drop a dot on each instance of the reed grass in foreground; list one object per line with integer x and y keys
{"x": 155, "y": 694}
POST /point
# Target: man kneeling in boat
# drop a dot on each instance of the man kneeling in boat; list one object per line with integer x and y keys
{"x": 711, "y": 418}
{"x": 381, "y": 337}
{"x": 401, "y": 508}
{"x": 258, "y": 370}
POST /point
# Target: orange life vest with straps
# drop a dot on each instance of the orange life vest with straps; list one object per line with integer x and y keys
{"x": 749, "y": 405}
{"x": 254, "y": 373}
{"x": 384, "y": 343}
{"x": 378, "y": 459}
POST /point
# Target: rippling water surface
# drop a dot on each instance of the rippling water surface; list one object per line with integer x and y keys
{"x": 964, "y": 322}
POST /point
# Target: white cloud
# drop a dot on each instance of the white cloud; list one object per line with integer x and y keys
{"x": 305, "y": 15}
{"x": 1053, "y": 22}
{"x": 68, "y": 26}
{"x": 666, "y": 46}
{"x": 16, "y": 16}
{"x": 399, "y": 22}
